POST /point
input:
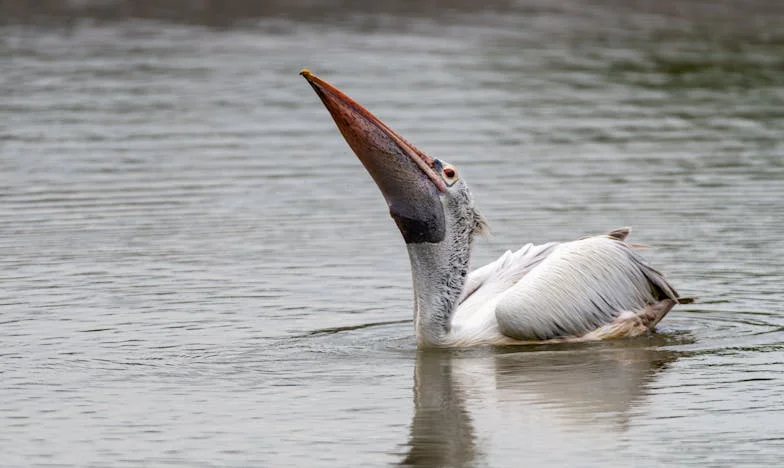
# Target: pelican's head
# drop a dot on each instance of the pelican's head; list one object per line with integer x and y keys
{"x": 427, "y": 198}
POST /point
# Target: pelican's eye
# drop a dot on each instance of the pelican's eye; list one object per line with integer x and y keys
{"x": 450, "y": 175}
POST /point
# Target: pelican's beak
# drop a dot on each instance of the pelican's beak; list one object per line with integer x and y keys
{"x": 404, "y": 174}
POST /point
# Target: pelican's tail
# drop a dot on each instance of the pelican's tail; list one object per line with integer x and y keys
{"x": 631, "y": 324}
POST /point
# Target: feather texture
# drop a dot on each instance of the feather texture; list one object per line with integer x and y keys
{"x": 593, "y": 288}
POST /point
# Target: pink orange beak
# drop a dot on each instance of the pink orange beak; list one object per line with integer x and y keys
{"x": 405, "y": 175}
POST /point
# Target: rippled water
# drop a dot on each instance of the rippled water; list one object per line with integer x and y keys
{"x": 197, "y": 272}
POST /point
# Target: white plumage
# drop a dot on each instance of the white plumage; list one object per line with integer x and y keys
{"x": 587, "y": 289}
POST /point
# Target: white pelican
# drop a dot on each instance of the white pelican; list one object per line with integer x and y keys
{"x": 589, "y": 289}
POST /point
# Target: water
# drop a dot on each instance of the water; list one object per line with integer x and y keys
{"x": 197, "y": 272}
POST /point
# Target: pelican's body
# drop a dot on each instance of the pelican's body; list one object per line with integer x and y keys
{"x": 588, "y": 289}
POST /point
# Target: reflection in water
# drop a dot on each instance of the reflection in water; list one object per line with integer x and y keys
{"x": 441, "y": 432}
{"x": 582, "y": 384}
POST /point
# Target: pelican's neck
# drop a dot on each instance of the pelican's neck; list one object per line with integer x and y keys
{"x": 439, "y": 271}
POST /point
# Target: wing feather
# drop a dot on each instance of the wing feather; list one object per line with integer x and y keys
{"x": 474, "y": 319}
{"x": 507, "y": 270}
{"x": 579, "y": 287}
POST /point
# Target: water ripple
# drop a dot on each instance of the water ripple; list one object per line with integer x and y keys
{"x": 196, "y": 271}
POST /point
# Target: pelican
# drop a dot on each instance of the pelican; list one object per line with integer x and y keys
{"x": 594, "y": 288}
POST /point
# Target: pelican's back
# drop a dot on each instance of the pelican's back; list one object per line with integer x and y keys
{"x": 580, "y": 287}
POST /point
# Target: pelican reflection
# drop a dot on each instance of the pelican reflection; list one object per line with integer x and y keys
{"x": 538, "y": 396}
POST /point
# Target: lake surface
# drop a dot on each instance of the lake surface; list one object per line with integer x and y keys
{"x": 196, "y": 271}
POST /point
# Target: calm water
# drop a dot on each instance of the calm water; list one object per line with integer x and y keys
{"x": 197, "y": 272}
